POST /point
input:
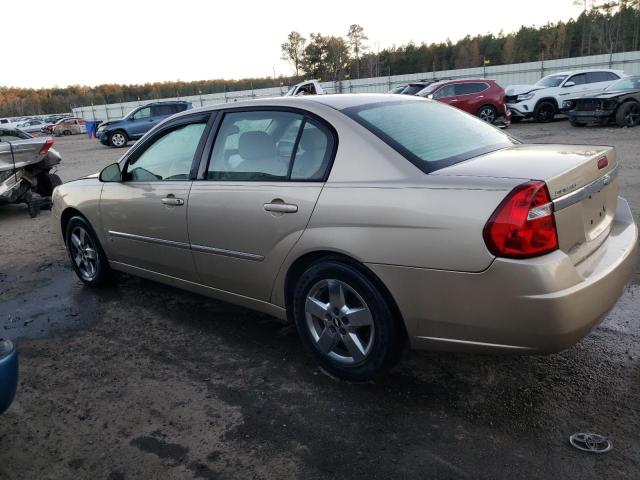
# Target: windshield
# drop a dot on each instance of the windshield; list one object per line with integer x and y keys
{"x": 429, "y": 134}
{"x": 627, "y": 83}
{"x": 551, "y": 81}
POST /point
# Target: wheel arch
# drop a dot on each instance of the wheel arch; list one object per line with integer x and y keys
{"x": 67, "y": 214}
{"x": 300, "y": 264}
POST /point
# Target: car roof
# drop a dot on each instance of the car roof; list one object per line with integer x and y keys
{"x": 337, "y": 101}
{"x": 585, "y": 70}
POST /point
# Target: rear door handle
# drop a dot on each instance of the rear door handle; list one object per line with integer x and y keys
{"x": 173, "y": 201}
{"x": 281, "y": 207}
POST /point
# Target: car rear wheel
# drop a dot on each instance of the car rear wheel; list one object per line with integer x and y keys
{"x": 85, "y": 252}
{"x": 66, "y": 133}
{"x": 46, "y": 183}
{"x": 118, "y": 139}
{"x": 544, "y": 112}
{"x": 488, "y": 113}
{"x": 345, "y": 321}
{"x": 628, "y": 114}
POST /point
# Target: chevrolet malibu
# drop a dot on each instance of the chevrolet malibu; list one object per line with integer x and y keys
{"x": 371, "y": 221}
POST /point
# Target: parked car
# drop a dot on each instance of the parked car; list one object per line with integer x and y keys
{"x": 8, "y": 373}
{"x": 414, "y": 87}
{"x": 69, "y": 126}
{"x": 543, "y": 100}
{"x": 138, "y": 122}
{"x": 369, "y": 220}
{"x": 26, "y": 165}
{"x": 32, "y": 125}
{"x": 619, "y": 103}
{"x": 481, "y": 97}
{"x": 309, "y": 87}
{"x": 397, "y": 89}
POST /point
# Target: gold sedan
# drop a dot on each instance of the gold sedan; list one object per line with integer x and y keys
{"x": 372, "y": 221}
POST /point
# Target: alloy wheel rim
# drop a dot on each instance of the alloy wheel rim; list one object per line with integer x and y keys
{"x": 118, "y": 139}
{"x": 84, "y": 253}
{"x": 487, "y": 115}
{"x": 339, "y": 321}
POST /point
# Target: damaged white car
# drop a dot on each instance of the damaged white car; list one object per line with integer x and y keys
{"x": 26, "y": 169}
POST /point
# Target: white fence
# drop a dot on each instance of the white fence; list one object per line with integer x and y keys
{"x": 519, "y": 73}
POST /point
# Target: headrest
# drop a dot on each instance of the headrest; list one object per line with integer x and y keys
{"x": 256, "y": 145}
{"x": 313, "y": 139}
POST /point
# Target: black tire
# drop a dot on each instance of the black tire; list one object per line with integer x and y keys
{"x": 545, "y": 112}
{"x": 487, "y": 113}
{"x": 66, "y": 133}
{"x": 103, "y": 274}
{"x": 575, "y": 123}
{"x": 385, "y": 339}
{"x": 628, "y": 114}
{"x": 118, "y": 139}
{"x": 46, "y": 183}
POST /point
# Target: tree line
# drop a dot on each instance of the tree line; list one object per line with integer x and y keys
{"x": 610, "y": 27}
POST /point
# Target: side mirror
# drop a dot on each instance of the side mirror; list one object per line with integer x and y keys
{"x": 569, "y": 84}
{"x": 111, "y": 173}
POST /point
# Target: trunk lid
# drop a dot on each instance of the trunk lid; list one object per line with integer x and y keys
{"x": 584, "y": 191}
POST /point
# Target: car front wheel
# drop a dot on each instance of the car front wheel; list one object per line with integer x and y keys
{"x": 85, "y": 252}
{"x": 628, "y": 115}
{"x": 345, "y": 321}
{"x": 544, "y": 112}
{"x": 118, "y": 139}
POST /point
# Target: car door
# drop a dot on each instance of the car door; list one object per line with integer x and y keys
{"x": 574, "y": 86}
{"x": 470, "y": 97}
{"x": 140, "y": 123}
{"x": 599, "y": 80}
{"x": 446, "y": 94}
{"x": 258, "y": 190}
{"x": 144, "y": 216}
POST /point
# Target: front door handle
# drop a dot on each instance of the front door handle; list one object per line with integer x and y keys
{"x": 173, "y": 201}
{"x": 281, "y": 207}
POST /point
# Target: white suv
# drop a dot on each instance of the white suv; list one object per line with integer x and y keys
{"x": 543, "y": 100}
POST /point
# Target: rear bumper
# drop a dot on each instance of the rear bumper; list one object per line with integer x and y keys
{"x": 544, "y": 304}
{"x": 8, "y": 373}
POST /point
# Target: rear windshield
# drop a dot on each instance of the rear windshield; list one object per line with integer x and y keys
{"x": 429, "y": 134}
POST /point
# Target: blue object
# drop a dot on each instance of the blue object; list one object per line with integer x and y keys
{"x": 8, "y": 373}
{"x": 92, "y": 127}
{"x": 138, "y": 122}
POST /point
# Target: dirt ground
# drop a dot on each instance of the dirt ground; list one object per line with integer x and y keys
{"x": 145, "y": 381}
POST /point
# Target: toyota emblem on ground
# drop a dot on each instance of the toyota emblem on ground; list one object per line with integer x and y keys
{"x": 590, "y": 442}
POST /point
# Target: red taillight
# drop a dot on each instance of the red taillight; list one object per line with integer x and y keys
{"x": 46, "y": 146}
{"x": 603, "y": 162}
{"x": 523, "y": 225}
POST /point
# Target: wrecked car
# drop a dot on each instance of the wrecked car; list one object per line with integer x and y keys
{"x": 26, "y": 165}
{"x": 619, "y": 104}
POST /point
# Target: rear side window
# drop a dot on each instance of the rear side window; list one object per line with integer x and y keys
{"x": 160, "y": 110}
{"x": 429, "y": 134}
{"x": 469, "y": 88}
{"x": 270, "y": 146}
{"x": 595, "y": 77}
{"x": 579, "y": 79}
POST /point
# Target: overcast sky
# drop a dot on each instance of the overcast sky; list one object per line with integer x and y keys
{"x": 137, "y": 41}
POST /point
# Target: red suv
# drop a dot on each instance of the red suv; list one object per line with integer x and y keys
{"x": 480, "y": 97}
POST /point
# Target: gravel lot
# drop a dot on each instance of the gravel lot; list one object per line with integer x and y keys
{"x": 146, "y": 381}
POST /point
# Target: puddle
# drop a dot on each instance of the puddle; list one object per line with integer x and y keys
{"x": 54, "y": 301}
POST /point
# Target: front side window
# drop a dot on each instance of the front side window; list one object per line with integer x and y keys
{"x": 169, "y": 157}
{"x": 445, "y": 92}
{"x": 142, "y": 113}
{"x": 579, "y": 79}
{"x": 259, "y": 145}
{"x": 429, "y": 134}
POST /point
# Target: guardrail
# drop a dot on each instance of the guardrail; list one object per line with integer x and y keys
{"x": 518, "y": 73}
